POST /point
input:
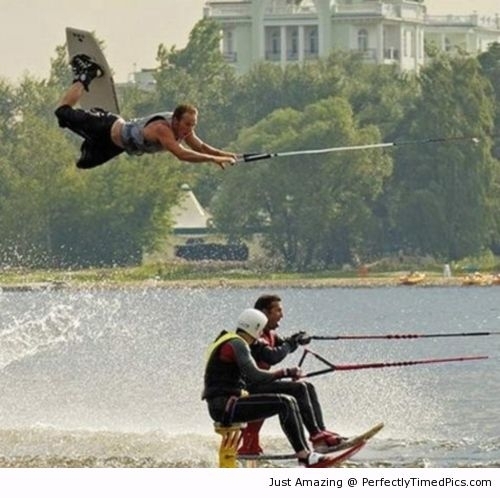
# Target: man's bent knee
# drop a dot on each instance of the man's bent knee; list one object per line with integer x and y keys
{"x": 63, "y": 114}
{"x": 288, "y": 399}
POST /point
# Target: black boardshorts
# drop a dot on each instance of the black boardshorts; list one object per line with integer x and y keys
{"x": 94, "y": 126}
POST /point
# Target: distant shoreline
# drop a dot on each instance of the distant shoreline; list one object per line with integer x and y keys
{"x": 242, "y": 283}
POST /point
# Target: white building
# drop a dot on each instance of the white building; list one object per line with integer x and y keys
{"x": 144, "y": 79}
{"x": 384, "y": 32}
{"x": 471, "y": 34}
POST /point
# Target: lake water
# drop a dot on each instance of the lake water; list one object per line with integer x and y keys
{"x": 113, "y": 377}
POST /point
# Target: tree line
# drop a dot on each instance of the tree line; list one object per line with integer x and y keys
{"x": 319, "y": 211}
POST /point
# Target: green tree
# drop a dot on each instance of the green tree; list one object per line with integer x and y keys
{"x": 490, "y": 65}
{"x": 381, "y": 95}
{"x": 267, "y": 86}
{"x": 302, "y": 203}
{"x": 32, "y": 183}
{"x": 441, "y": 193}
{"x": 60, "y": 71}
{"x": 111, "y": 215}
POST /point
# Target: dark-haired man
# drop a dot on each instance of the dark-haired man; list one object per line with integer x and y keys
{"x": 107, "y": 135}
{"x": 270, "y": 349}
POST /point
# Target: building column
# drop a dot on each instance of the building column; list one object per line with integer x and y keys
{"x": 402, "y": 45}
{"x": 380, "y": 44}
{"x": 283, "y": 54}
{"x": 325, "y": 26}
{"x": 301, "y": 44}
{"x": 258, "y": 43}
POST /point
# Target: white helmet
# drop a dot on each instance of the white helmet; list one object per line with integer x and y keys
{"x": 252, "y": 321}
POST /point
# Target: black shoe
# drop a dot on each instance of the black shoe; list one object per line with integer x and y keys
{"x": 85, "y": 70}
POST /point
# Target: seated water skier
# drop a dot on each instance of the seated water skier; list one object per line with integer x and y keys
{"x": 229, "y": 369}
{"x": 269, "y": 350}
{"x": 107, "y": 135}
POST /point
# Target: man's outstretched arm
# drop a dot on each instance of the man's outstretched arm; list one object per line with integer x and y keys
{"x": 199, "y": 146}
{"x": 205, "y": 154}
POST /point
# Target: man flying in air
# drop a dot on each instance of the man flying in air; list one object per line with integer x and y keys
{"x": 107, "y": 135}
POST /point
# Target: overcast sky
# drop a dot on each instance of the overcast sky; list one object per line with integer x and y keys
{"x": 30, "y": 30}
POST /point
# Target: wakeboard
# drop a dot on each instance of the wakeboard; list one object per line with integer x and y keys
{"x": 102, "y": 91}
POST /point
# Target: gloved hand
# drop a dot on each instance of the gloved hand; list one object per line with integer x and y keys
{"x": 292, "y": 342}
{"x": 294, "y": 373}
{"x": 299, "y": 339}
{"x": 303, "y": 338}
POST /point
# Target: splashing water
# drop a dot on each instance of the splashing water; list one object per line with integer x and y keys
{"x": 29, "y": 334}
{"x": 27, "y": 337}
{"x": 113, "y": 378}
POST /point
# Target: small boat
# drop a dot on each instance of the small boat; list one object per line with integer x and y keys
{"x": 495, "y": 279}
{"x": 476, "y": 278}
{"x": 413, "y": 278}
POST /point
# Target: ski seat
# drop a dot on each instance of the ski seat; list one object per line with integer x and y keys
{"x": 228, "y": 449}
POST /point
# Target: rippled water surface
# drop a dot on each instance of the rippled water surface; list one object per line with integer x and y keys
{"x": 113, "y": 378}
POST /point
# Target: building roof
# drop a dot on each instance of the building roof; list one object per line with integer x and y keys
{"x": 188, "y": 215}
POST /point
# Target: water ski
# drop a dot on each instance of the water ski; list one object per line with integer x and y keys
{"x": 355, "y": 440}
{"x": 334, "y": 456}
{"x": 102, "y": 91}
{"x": 333, "y": 459}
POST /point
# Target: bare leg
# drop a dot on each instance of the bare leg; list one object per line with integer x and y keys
{"x": 73, "y": 94}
